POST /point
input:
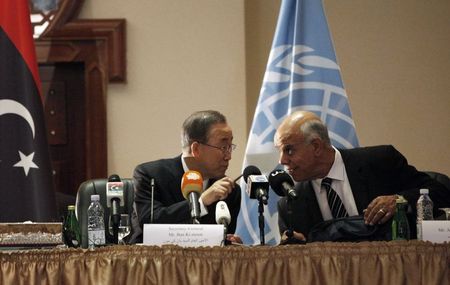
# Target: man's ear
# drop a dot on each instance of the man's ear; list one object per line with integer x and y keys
{"x": 317, "y": 145}
{"x": 195, "y": 151}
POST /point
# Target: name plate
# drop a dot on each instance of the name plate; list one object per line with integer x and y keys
{"x": 185, "y": 235}
{"x": 436, "y": 231}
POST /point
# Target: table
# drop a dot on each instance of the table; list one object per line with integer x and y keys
{"x": 396, "y": 262}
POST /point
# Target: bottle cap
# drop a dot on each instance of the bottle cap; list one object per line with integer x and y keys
{"x": 423, "y": 191}
{"x": 95, "y": 197}
{"x": 71, "y": 207}
{"x": 401, "y": 200}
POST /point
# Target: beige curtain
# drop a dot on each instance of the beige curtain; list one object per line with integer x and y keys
{"x": 384, "y": 263}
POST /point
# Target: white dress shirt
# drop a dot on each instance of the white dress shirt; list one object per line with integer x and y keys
{"x": 340, "y": 184}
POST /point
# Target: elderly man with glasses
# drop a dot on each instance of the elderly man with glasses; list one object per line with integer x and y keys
{"x": 207, "y": 145}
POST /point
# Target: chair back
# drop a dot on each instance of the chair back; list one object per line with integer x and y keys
{"x": 440, "y": 177}
{"x": 98, "y": 186}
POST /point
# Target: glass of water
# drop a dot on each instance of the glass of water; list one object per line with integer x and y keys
{"x": 447, "y": 212}
{"x": 124, "y": 228}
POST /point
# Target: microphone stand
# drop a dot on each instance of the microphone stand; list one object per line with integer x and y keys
{"x": 225, "y": 241}
{"x": 290, "y": 231}
{"x": 261, "y": 220}
{"x": 115, "y": 219}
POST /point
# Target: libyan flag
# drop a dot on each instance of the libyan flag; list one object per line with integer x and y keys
{"x": 26, "y": 187}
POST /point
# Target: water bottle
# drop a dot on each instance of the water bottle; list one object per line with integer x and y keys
{"x": 400, "y": 225}
{"x": 96, "y": 223}
{"x": 424, "y": 211}
{"x": 71, "y": 228}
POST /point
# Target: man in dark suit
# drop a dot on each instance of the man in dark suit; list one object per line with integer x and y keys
{"x": 207, "y": 144}
{"x": 367, "y": 181}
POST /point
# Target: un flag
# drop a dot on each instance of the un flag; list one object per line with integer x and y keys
{"x": 302, "y": 74}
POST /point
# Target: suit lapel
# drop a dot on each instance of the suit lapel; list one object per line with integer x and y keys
{"x": 307, "y": 194}
{"x": 357, "y": 174}
{"x": 177, "y": 171}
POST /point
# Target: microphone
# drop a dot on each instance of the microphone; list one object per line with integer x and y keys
{"x": 282, "y": 184}
{"x": 191, "y": 188}
{"x": 223, "y": 216}
{"x": 114, "y": 199}
{"x": 114, "y": 195}
{"x": 257, "y": 184}
{"x": 152, "y": 185}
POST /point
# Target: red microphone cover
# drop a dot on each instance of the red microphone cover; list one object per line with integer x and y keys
{"x": 192, "y": 181}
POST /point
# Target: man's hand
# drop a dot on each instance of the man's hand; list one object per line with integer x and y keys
{"x": 380, "y": 210}
{"x": 234, "y": 238}
{"x": 295, "y": 235}
{"x": 218, "y": 191}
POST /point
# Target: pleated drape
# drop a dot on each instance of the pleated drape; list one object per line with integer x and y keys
{"x": 411, "y": 262}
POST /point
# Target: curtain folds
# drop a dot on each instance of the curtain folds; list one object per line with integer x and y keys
{"x": 411, "y": 262}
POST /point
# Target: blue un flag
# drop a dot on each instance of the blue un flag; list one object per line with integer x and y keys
{"x": 301, "y": 74}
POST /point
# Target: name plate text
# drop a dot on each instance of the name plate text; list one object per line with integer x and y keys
{"x": 186, "y": 235}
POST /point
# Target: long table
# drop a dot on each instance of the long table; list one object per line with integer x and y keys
{"x": 399, "y": 262}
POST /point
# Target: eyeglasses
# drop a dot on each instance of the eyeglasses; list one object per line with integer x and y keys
{"x": 225, "y": 149}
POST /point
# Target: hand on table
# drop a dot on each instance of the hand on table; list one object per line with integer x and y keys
{"x": 380, "y": 210}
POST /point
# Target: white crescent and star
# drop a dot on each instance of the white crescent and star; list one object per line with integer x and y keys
{"x": 8, "y": 106}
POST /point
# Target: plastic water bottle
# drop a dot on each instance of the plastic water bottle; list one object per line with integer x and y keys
{"x": 96, "y": 223}
{"x": 424, "y": 211}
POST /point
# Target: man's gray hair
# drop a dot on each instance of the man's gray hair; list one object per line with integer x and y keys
{"x": 315, "y": 129}
{"x": 197, "y": 126}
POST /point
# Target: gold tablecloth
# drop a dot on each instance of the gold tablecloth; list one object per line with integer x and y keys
{"x": 411, "y": 262}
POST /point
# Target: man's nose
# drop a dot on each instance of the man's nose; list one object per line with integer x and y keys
{"x": 227, "y": 155}
{"x": 283, "y": 158}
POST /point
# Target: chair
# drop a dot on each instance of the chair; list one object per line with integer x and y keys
{"x": 440, "y": 177}
{"x": 444, "y": 180}
{"x": 98, "y": 186}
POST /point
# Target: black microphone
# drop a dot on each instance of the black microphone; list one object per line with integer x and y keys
{"x": 257, "y": 184}
{"x": 114, "y": 197}
{"x": 152, "y": 185}
{"x": 282, "y": 184}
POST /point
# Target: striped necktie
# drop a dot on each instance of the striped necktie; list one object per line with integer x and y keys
{"x": 337, "y": 208}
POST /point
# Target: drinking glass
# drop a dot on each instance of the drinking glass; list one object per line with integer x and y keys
{"x": 447, "y": 212}
{"x": 124, "y": 228}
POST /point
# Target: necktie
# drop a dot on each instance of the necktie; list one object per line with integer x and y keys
{"x": 337, "y": 208}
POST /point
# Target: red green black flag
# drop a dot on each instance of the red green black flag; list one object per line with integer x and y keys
{"x": 26, "y": 187}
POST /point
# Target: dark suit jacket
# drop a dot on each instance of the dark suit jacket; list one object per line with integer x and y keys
{"x": 170, "y": 207}
{"x": 372, "y": 172}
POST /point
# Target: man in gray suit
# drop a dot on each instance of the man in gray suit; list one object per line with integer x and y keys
{"x": 338, "y": 183}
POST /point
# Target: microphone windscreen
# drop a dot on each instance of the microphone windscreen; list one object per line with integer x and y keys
{"x": 276, "y": 180}
{"x": 192, "y": 181}
{"x": 114, "y": 190}
{"x": 114, "y": 178}
{"x": 222, "y": 213}
{"x": 251, "y": 170}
